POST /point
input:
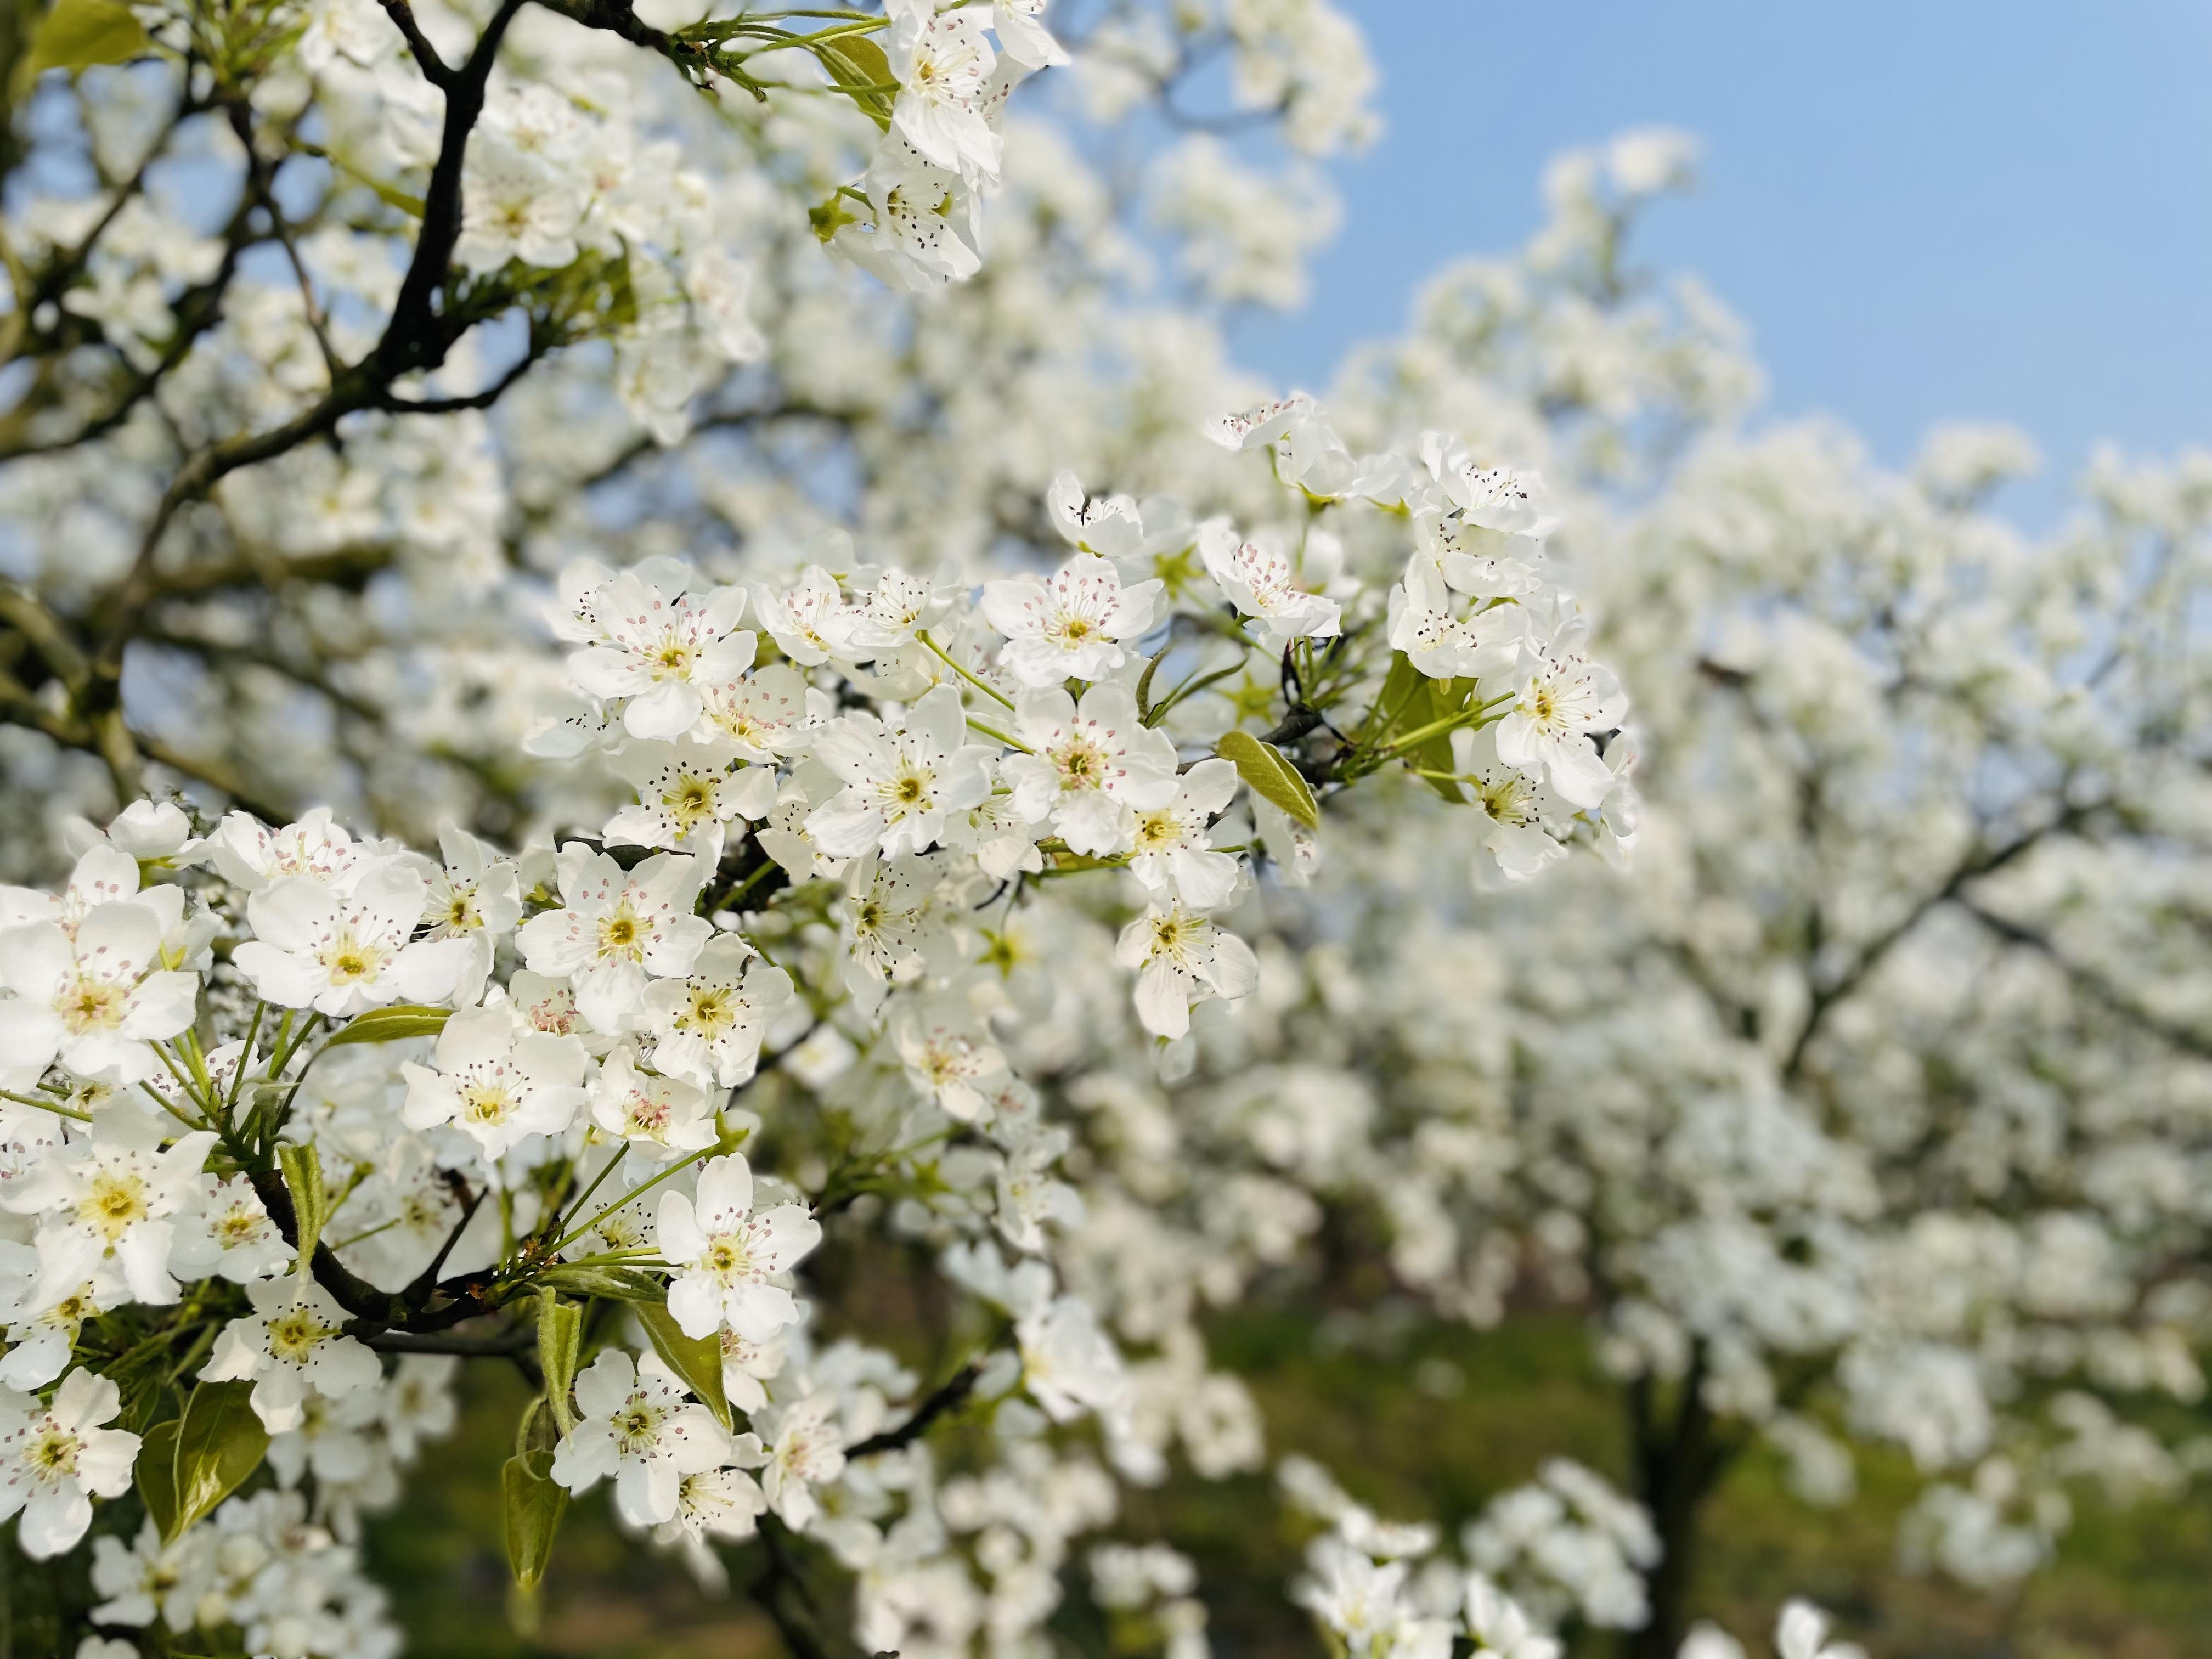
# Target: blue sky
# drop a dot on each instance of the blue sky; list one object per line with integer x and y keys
{"x": 1923, "y": 208}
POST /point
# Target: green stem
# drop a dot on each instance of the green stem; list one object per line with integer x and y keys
{"x": 999, "y": 737}
{"x": 1190, "y": 688}
{"x": 738, "y": 889}
{"x": 563, "y": 1243}
{"x": 987, "y": 690}
{"x": 1420, "y": 734}
{"x": 245, "y": 1055}
{"x": 585, "y": 1197}
{"x": 57, "y": 1110}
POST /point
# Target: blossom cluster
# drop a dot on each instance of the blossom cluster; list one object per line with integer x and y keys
{"x": 291, "y": 1094}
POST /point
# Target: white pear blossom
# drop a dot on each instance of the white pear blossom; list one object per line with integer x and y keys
{"x": 292, "y": 1342}
{"x": 1443, "y": 644}
{"x": 111, "y": 1199}
{"x": 804, "y": 1451}
{"x": 659, "y": 1117}
{"x": 616, "y": 928}
{"x": 1072, "y": 625}
{"x": 56, "y": 1459}
{"x": 687, "y": 792}
{"x": 230, "y": 1234}
{"x": 1563, "y": 700}
{"x": 250, "y": 854}
{"x": 732, "y": 1255}
{"x": 945, "y": 1059}
{"x": 1091, "y": 768}
{"x": 654, "y": 639}
{"x": 708, "y": 1026}
{"x": 805, "y": 618}
{"x": 942, "y": 63}
{"x": 901, "y": 780}
{"x": 93, "y": 1001}
{"x": 637, "y": 1425}
{"x": 762, "y": 715}
{"x": 341, "y": 954}
{"x": 1174, "y": 843}
{"x": 1110, "y": 527}
{"x": 1182, "y": 957}
{"x": 516, "y": 205}
{"x": 1261, "y": 583}
{"x": 495, "y": 1079}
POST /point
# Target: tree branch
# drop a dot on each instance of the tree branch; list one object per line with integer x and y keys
{"x": 435, "y": 69}
{"x": 949, "y": 1393}
{"x": 2102, "y": 989}
{"x": 1983, "y": 861}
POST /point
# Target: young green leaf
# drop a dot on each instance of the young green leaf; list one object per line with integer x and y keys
{"x": 560, "y": 1333}
{"x": 311, "y": 1205}
{"x": 1445, "y": 698}
{"x": 1272, "y": 777}
{"x": 697, "y": 1360}
{"x": 78, "y": 33}
{"x": 857, "y": 67}
{"x": 535, "y": 1504}
{"x": 220, "y": 1442}
{"x": 157, "y": 1475}
{"x": 616, "y": 1284}
{"x": 402, "y": 1019}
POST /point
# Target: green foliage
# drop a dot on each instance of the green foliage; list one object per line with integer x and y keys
{"x": 1272, "y": 778}
{"x": 311, "y": 1200}
{"x": 392, "y": 1025}
{"x": 219, "y": 1442}
{"x": 79, "y": 33}
{"x": 857, "y": 67}
{"x": 559, "y": 1333}
{"x": 1410, "y": 700}
{"x": 157, "y": 1475}
{"x": 535, "y": 1504}
{"x": 697, "y": 1360}
{"x": 618, "y": 1284}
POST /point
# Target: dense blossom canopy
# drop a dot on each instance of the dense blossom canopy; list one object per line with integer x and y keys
{"x": 580, "y": 744}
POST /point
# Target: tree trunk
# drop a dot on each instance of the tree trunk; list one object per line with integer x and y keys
{"x": 1678, "y": 1461}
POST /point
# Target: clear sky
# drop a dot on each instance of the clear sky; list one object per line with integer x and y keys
{"x": 1923, "y": 208}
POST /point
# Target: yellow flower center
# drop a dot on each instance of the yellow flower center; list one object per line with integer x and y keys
{"x": 294, "y": 1334}
{"x": 114, "y": 1202}
{"x": 619, "y": 935}
{"x": 486, "y": 1103}
{"x": 91, "y": 1005}
{"x": 54, "y": 1455}
{"x": 689, "y": 803}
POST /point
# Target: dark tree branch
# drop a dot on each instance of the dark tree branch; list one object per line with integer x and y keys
{"x": 2101, "y": 988}
{"x": 505, "y": 1345}
{"x": 435, "y": 69}
{"x": 781, "y": 1574}
{"x": 949, "y": 1393}
{"x": 1982, "y": 861}
{"x": 418, "y": 1292}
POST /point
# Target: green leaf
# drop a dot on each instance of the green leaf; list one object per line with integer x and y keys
{"x": 1272, "y": 778}
{"x": 858, "y": 68}
{"x": 535, "y": 1503}
{"x": 1411, "y": 699}
{"x": 616, "y": 1284}
{"x": 697, "y": 1360}
{"x": 220, "y": 1442}
{"x": 559, "y": 1333}
{"x": 157, "y": 1475}
{"x": 402, "y": 1019}
{"x": 78, "y": 33}
{"x": 311, "y": 1201}
{"x": 1445, "y": 698}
